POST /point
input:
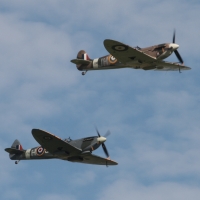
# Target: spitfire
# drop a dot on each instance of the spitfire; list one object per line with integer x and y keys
{"x": 124, "y": 56}
{"x": 54, "y": 147}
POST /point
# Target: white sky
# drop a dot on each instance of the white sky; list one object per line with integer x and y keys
{"x": 153, "y": 116}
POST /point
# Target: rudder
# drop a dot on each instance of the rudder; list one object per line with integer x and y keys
{"x": 82, "y": 61}
{"x": 83, "y": 55}
{"x": 17, "y": 145}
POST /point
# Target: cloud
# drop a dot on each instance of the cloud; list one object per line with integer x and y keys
{"x": 82, "y": 179}
{"x": 12, "y": 194}
{"x": 153, "y": 116}
{"x": 56, "y": 196}
{"x": 131, "y": 190}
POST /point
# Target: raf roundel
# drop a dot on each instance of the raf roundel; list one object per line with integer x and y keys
{"x": 40, "y": 151}
{"x": 112, "y": 60}
{"x": 119, "y": 47}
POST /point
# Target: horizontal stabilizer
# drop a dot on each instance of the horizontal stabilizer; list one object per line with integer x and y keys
{"x": 81, "y": 62}
{"x": 14, "y": 151}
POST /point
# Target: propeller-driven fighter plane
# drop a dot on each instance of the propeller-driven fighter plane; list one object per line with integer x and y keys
{"x": 54, "y": 147}
{"x": 124, "y": 56}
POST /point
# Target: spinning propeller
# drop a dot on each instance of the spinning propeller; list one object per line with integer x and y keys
{"x": 103, "y": 139}
{"x": 176, "y": 51}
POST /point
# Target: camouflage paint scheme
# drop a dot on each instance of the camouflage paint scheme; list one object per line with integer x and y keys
{"x": 124, "y": 56}
{"x": 54, "y": 147}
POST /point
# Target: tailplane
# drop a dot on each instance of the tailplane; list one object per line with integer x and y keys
{"x": 16, "y": 149}
{"x": 82, "y": 61}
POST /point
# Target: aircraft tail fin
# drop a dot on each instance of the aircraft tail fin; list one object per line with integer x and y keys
{"x": 82, "y": 60}
{"x": 17, "y": 145}
{"x": 15, "y": 149}
{"x": 83, "y": 55}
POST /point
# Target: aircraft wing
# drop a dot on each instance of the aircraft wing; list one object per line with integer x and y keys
{"x": 125, "y": 53}
{"x": 92, "y": 159}
{"x": 169, "y": 66}
{"x": 54, "y": 144}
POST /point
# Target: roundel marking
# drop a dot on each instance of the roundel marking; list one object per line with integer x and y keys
{"x": 112, "y": 59}
{"x": 47, "y": 138}
{"x": 40, "y": 151}
{"x": 119, "y": 47}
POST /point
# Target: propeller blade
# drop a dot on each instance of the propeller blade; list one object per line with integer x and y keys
{"x": 178, "y": 56}
{"x": 103, "y": 145}
{"x": 174, "y": 35}
{"x": 105, "y": 150}
{"x": 97, "y": 132}
{"x": 107, "y": 134}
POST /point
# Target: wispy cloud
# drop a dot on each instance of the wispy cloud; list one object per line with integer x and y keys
{"x": 153, "y": 116}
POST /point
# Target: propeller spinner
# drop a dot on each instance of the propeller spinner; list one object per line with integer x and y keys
{"x": 102, "y": 140}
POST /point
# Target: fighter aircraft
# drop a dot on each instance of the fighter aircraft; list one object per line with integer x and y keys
{"x": 54, "y": 147}
{"x": 124, "y": 56}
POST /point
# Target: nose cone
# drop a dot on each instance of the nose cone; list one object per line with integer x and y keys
{"x": 174, "y": 46}
{"x": 101, "y": 139}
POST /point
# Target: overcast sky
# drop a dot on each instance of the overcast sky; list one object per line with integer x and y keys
{"x": 154, "y": 117}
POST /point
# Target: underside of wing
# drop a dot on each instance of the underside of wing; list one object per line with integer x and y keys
{"x": 125, "y": 53}
{"x": 54, "y": 144}
{"x": 169, "y": 66}
{"x": 92, "y": 159}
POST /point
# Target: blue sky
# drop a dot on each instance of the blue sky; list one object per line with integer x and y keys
{"x": 153, "y": 116}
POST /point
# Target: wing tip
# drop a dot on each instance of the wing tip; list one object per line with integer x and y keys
{"x": 112, "y": 161}
{"x": 188, "y": 68}
{"x": 115, "y": 163}
{"x": 39, "y": 131}
{"x": 34, "y": 130}
{"x": 110, "y": 40}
